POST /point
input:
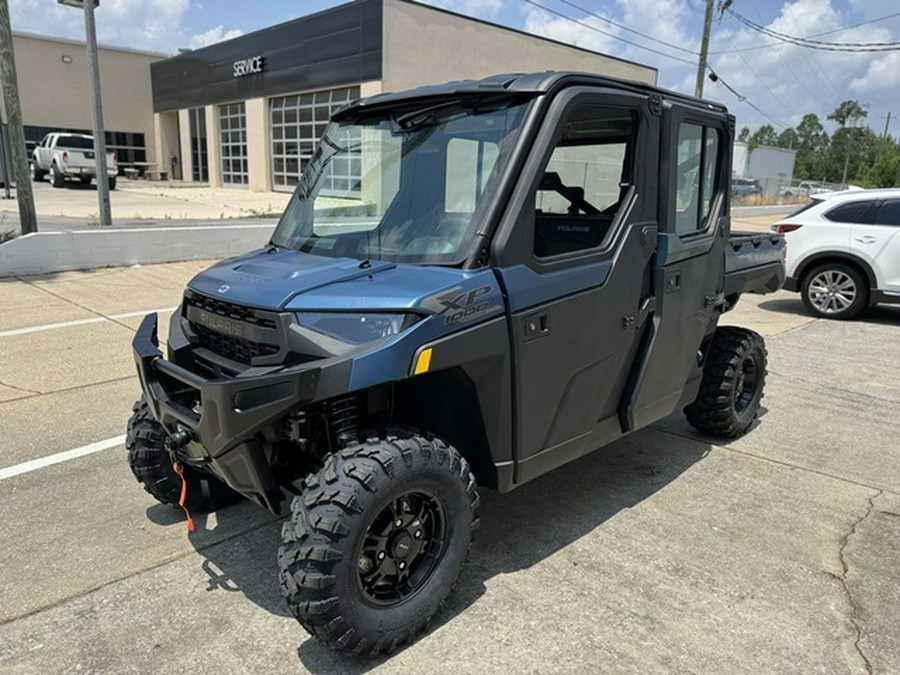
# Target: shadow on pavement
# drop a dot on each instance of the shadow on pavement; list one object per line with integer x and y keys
{"x": 518, "y": 530}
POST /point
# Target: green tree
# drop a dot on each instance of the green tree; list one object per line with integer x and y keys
{"x": 812, "y": 146}
{"x": 885, "y": 171}
{"x": 848, "y": 115}
{"x": 788, "y": 139}
{"x": 765, "y": 135}
{"x": 744, "y": 136}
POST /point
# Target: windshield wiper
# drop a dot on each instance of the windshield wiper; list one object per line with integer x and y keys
{"x": 421, "y": 116}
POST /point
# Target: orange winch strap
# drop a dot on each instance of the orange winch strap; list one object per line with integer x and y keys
{"x": 180, "y": 471}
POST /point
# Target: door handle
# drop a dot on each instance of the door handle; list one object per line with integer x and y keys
{"x": 866, "y": 239}
{"x": 536, "y": 325}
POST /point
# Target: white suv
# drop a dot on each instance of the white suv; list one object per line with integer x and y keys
{"x": 843, "y": 251}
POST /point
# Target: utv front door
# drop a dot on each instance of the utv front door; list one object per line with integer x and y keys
{"x": 575, "y": 266}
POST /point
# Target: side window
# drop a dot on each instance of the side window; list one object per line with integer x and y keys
{"x": 469, "y": 163}
{"x": 697, "y": 175}
{"x": 584, "y": 181}
{"x": 852, "y": 212}
{"x": 889, "y": 213}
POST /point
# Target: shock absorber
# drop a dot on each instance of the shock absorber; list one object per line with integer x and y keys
{"x": 343, "y": 415}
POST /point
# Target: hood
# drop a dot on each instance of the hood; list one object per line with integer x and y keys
{"x": 290, "y": 280}
{"x": 270, "y": 278}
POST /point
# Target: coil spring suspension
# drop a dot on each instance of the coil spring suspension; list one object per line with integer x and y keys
{"x": 343, "y": 416}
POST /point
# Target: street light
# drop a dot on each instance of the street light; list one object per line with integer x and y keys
{"x": 90, "y": 31}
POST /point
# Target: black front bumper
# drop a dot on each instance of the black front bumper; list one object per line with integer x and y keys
{"x": 223, "y": 416}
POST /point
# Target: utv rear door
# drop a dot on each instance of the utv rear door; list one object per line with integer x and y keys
{"x": 575, "y": 254}
{"x": 689, "y": 270}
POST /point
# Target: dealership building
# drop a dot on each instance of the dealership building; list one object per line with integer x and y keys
{"x": 246, "y": 113}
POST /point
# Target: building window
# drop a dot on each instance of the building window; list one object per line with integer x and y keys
{"x": 297, "y": 123}
{"x": 233, "y": 143}
{"x": 199, "y": 159}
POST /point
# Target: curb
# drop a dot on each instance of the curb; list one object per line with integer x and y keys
{"x": 50, "y": 252}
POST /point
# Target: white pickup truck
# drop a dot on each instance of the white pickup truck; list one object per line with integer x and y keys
{"x": 70, "y": 156}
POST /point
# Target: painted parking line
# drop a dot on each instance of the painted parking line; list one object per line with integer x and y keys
{"x": 80, "y": 322}
{"x": 59, "y": 457}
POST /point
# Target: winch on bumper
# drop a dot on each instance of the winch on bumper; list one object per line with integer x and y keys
{"x": 223, "y": 417}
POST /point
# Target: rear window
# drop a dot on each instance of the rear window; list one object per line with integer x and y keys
{"x": 803, "y": 208}
{"x": 852, "y": 212}
{"x": 75, "y": 142}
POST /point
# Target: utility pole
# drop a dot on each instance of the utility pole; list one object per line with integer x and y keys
{"x": 27, "y": 216}
{"x": 90, "y": 32}
{"x": 887, "y": 123}
{"x": 704, "y": 49}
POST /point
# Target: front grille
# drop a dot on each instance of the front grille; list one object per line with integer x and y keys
{"x": 236, "y": 349}
{"x": 259, "y": 325}
{"x": 228, "y": 310}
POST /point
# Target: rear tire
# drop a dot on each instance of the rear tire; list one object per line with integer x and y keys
{"x": 56, "y": 178}
{"x": 734, "y": 377}
{"x": 152, "y": 467}
{"x": 835, "y": 291}
{"x": 377, "y": 540}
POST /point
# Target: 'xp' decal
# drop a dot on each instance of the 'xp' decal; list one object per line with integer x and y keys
{"x": 455, "y": 306}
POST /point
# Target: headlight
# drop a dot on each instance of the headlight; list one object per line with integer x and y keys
{"x": 356, "y": 328}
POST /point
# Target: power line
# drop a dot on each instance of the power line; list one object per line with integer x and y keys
{"x": 827, "y": 32}
{"x": 855, "y": 47}
{"x": 630, "y": 30}
{"x": 743, "y": 99}
{"x": 603, "y": 32}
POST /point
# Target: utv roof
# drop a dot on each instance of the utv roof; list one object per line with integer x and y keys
{"x": 519, "y": 83}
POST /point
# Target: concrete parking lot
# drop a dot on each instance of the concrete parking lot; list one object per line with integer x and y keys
{"x": 665, "y": 552}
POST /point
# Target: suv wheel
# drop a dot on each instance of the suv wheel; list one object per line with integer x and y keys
{"x": 376, "y": 541}
{"x": 834, "y": 291}
{"x": 36, "y": 174}
{"x": 732, "y": 386}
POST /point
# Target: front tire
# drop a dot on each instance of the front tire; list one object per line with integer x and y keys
{"x": 376, "y": 541}
{"x": 37, "y": 175}
{"x": 734, "y": 377}
{"x": 112, "y": 183}
{"x": 151, "y": 465}
{"x": 834, "y": 291}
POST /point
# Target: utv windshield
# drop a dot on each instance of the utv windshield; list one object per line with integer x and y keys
{"x": 403, "y": 185}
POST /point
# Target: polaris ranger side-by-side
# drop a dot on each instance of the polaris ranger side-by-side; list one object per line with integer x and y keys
{"x": 473, "y": 283}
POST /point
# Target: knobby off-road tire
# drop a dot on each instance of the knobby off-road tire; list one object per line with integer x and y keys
{"x": 152, "y": 467}
{"x": 732, "y": 386}
{"x": 377, "y": 540}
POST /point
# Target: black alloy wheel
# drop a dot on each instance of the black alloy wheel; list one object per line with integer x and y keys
{"x": 401, "y": 548}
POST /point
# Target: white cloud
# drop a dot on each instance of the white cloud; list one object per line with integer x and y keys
{"x": 156, "y": 25}
{"x": 788, "y": 81}
{"x": 481, "y": 8}
{"x": 213, "y": 35}
{"x": 585, "y": 33}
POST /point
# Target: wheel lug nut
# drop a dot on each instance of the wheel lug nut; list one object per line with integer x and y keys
{"x": 402, "y": 565}
{"x": 418, "y": 534}
{"x": 381, "y": 555}
{"x": 399, "y": 523}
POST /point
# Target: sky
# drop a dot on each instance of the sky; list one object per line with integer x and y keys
{"x": 771, "y": 82}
